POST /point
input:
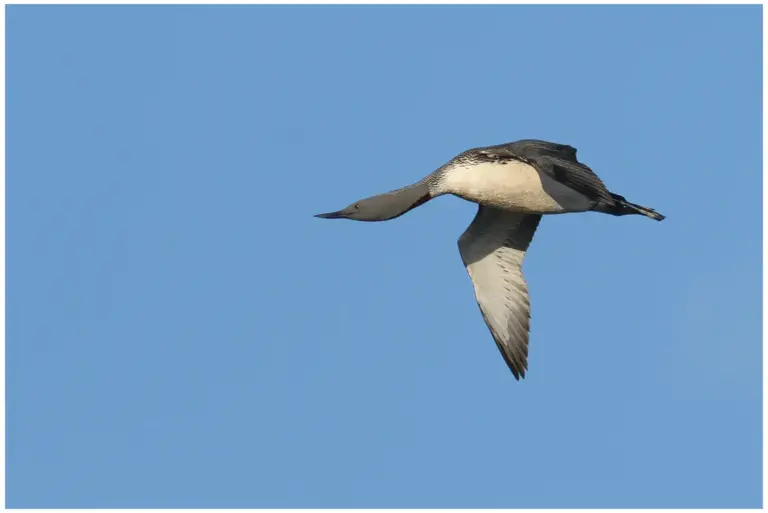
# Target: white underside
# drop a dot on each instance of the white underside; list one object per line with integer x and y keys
{"x": 514, "y": 186}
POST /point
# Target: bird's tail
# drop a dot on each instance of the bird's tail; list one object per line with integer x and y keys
{"x": 624, "y": 207}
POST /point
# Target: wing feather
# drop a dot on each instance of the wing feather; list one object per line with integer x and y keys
{"x": 493, "y": 248}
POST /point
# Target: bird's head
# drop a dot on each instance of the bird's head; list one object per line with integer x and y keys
{"x": 383, "y": 207}
{"x": 377, "y": 208}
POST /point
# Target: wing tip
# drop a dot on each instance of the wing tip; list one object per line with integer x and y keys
{"x": 518, "y": 366}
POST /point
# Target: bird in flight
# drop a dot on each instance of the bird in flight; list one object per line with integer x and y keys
{"x": 514, "y": 184}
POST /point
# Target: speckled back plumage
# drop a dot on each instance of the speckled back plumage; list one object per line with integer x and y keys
{"x": 558, "y": 161}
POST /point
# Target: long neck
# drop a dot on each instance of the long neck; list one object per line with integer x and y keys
{"x": 396, "y": 203}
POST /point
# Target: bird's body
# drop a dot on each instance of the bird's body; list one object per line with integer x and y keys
{"x": 511, "y": 185}
{"x": 514, "y": 184}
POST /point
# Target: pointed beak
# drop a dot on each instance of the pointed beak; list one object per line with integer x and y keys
{"x": 331, "y": 215}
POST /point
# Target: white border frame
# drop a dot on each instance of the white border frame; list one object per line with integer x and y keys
{"x": 341, "y": 2}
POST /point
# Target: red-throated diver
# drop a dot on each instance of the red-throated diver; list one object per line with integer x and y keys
{"x": 514, "y": 184}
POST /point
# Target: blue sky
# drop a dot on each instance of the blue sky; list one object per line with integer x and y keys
{"x": 181, "y": 332}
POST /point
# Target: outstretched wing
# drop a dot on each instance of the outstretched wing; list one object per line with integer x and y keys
{"x": 493, "y": 248}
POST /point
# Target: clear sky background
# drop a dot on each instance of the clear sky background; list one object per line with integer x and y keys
{"x": 183, "y": 333}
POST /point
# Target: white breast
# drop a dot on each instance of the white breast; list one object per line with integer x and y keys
{"x": 515, "y": 186}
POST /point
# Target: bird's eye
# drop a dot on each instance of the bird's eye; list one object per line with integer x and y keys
{"x": 357, "y": 207}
